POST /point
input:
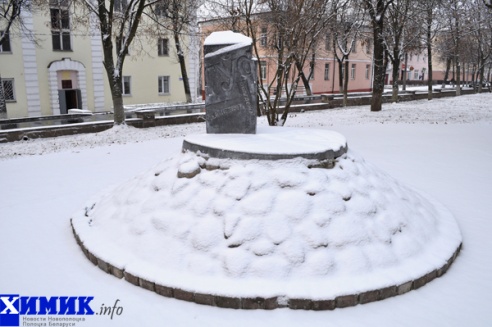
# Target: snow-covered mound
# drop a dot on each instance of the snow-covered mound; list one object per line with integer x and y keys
{"x": 268, "y": 228}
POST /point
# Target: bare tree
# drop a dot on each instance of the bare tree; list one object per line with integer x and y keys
{"x": 118, "y": 22}
{"x": 296, "y": 26}
{"x": 284, "y": 34}
{"x": 399, "y": 38}
{"x": 431, "y": 27}
{"x": 177, "y": 16}
{"x": 10, "y": 16}
{"x": 481, "y": 32}
{"x": 455, "y": 12}
{"x": 444, "y": 49}
{"x": 345, "y": 28}
{"x": 377, "y": 11}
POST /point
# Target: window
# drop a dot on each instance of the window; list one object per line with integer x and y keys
{"x": 60, "y": 26}
{"x": 127, "y": 85}
{"x": 160, "y": 9}
{"x": 352, "y": 72}
{"x": 327, "y": 72}
{"x": 416, "y": 74}
{"x": 263, "y": 69}
{"x": 279, "y": 42}
{"x": 5, "y": 46}
{"x": 328, "y": 42}
{"x": 368, "y": 46}
{"x": 354, "y": 46}
{"x": 163, "y": 47}
{"x": 7, "y": 89}
{"x": 164, "y": 82}
{"x": 120, "y": 5}
{"x": 263, "y": 37}
{"x": 368, "y": 71}
{"x": 66, "y": 84}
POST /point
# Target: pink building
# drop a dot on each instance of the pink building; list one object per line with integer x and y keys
{"x": 415, "y": 66}
{"x": 325, "y": 78}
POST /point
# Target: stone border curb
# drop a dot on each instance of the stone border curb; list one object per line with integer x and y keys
{"x": 328, "y": 155}
{"x": 220, "y": 301}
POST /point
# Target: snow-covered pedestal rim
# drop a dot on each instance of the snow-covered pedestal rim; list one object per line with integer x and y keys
{"x": 163, "y": 285}
{"x": 270, "y": 143}
{"x": 245, "y": 294}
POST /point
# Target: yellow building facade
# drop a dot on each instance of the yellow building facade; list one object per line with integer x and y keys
{"x": 64, "y": 69}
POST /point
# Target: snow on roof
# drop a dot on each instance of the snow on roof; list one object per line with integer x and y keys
{"x": 227, "y": 37}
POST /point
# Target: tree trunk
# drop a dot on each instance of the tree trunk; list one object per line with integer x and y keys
{"x": 429, "y": 52}
{"x": 446, "y": 73}
{"x": 115, "y": 83}
{"x": 345, "y": 83}
{"x": 480, "y": 73}
{"x": 3, "y": 104}
{"x": 340, "y": 76}
{"x": 405, "y": 76}
{"x": 182, "y": 64}
{"x": 119, "y": 111}
{"x": 116, "y": 86}
{"x": 379, "y": 70}
{"x": 457, "y": 43}
{"x": 305, "y": 81}
{"x": 458, "y": 76}
{"x": 395, "y": 75}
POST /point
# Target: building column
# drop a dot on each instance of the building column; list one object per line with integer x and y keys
{"x": 30, "y": 68}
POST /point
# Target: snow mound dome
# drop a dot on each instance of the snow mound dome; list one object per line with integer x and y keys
{"x": 268, "y": 228}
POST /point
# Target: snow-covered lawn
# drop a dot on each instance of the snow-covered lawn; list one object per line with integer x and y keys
{"x": 442, "y": 148}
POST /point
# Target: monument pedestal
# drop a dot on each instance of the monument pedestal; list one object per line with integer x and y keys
{"x": 270, "y": 143}
{"x": 249, "y": 218}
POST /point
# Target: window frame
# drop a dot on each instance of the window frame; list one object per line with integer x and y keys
{"x": 367, "y": 73}
{"x": 161, "y": 84}
{"x": 263, "y": 70}
{"x": 161, "y": 47}
{"x": 61, "y": 36}
{"x": 264, "y": 37}
{"x": 327, "y": 71}
{"x": 120, "y": 6}
{"x": 126, "y": 80}
{"x": 328, "y": 42}
{"x": 353, "y": 68}
{"x": 6, "y": 42}
{"x": 12, "y": 88}
{"x": 368, "y": 46}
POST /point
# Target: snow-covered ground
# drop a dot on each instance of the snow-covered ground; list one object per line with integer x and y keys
{"x": 442, "y": 148}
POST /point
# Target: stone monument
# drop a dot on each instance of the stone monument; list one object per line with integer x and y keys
{"x": 230, "y": 84}
{"x": 265, "y": 218}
